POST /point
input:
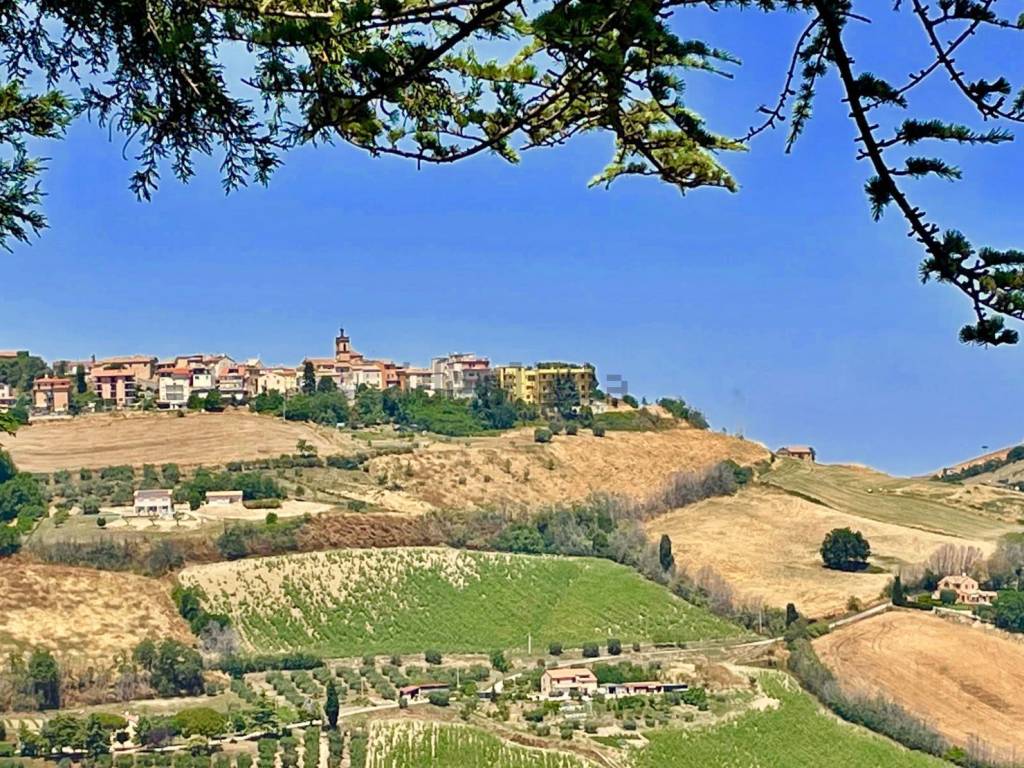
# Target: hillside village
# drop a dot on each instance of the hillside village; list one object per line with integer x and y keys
{"x": 352, "y": 563}
{"x": 143, "y": 381}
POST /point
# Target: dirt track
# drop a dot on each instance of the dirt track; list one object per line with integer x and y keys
{"x": 157, "y": 438}
{"x": 964, "y": 681}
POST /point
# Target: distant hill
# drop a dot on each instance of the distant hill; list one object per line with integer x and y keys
{"x": 1002, "y": 467}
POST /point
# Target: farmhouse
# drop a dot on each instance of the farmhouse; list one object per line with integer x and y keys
{"x": 567, "y": 682}
{"x": 155, "y": 503}
{"x": 223, "y": 498}
{"x": 968, "y": 591}
{"x": 7, "y": 398}
{"x": 802, "y": 452}
{"x": 618, "y": 690}
{"x": 418, "y": 692}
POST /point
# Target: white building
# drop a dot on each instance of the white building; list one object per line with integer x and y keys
{"x": 223, "y": 498}
{"x": 457, "y": 374}
{"x": 154, "y": 504}
{"x": 174, "y": 387}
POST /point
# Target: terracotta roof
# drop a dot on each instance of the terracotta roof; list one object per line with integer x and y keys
{"x": 174, "y": 372}
{"x": 127, "y": 359}
{"x": 797, "y": 448}
{"x": 51, "y": 380}
{"x": 573, "y": 673}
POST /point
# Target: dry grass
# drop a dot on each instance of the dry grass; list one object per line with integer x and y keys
{"x": 81, "y": 614}
{"x": 105, "y": 440}
{"x": 964, "y": 681}
{"x": 765, "y": 543}
{"x": 512, "y": 470}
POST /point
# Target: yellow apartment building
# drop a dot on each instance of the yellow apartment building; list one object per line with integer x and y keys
{"x": 535, "y": 384}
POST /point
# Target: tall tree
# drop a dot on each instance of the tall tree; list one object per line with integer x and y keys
{"x": 80, "y": 384}
{"x": 421, "y": 81}
{"x": 308, "y": 378}
{"x": 665, "y": 556}
{"x": 331, "y": 705}
{"x": 44, "y": 677}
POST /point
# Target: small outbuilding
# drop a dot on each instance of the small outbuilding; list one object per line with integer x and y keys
{"x": 802, "y": 452}
{"x": 223, "y": 498}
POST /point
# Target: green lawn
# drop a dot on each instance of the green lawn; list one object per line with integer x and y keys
{"x": 413, "y": 744}
{"x": 924, "y": 504}
{"x": 798, "y": 734}
{"x": 405, "y": 600}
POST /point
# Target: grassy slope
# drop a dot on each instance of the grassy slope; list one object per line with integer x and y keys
{"x": 795, "y": 735}
{"x": 927, "y": 505}
{"x": 350, "y": 602}
{"x": 414, "y": 744}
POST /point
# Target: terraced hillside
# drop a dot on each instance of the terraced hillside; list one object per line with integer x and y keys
{"x": 350, "y": 602}
{"x": 413, "y": 744}
{"x": 973, "y": 512}
{"x": 794, "y": 734}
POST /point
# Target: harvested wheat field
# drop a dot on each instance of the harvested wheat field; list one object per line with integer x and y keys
{"x": 514, "y": 470}
{"x": 104, "y": 440}
{"x": 963, "y": 681}
{"x": 81, "y": 614}
{"x": 766, "y": 544}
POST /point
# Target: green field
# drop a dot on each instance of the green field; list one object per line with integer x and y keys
{"x": 405, "y": 600}
{"x": 798, "y": 734}
{"x": 414, "y": 744}
{"x": 924, "y": 504}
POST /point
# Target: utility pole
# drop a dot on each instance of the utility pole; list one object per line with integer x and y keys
{"x": 529, "y": 643}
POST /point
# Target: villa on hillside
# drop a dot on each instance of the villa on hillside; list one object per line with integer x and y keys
{"x": 555, "y": 683}
{"x": 802, "y": 452}
{"x": 968, "y": 591}
{"x": 223, "y": 498}
{"x": 154, "y": 503}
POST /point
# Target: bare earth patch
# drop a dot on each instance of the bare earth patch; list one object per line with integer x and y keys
{"x": 963, "y": 681}
{"x": 81, "y": 614}
{"x": 104, "y": 440}
{"x": 766, "y": 544}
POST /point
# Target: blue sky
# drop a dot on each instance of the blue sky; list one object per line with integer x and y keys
{"x": 782, "y": 311}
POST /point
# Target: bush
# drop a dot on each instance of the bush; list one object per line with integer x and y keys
{"x": 541, "y": 435}
{"x": 90, "y": 506}
{"x": 591, "y": 651}
{"x": 947, "y": 596}
{"x": 439, "y": 698}
{"x": 572, "y": 428}
{"x": 845, "y": 550}
{"x": 200, "y": 721}
{"x": 101, "y": 522}
{"x": 597, "y": 430}
{"x": 614, "y": 647}
{"x": 555, "y": 649}
{"x": 262, "y": 504}
{"x": 432, "y": 656}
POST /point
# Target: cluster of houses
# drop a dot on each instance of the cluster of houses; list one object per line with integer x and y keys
{"x": 581, "y": 682}
{"x": 125, "y": 382}
{"x": 158, "y": 504}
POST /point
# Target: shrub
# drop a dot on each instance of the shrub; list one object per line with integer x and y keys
{"x": 597, "y": 430}
{"x": 614, "y": 647}
{"x": 262, "y": 504}
{"x": 101, "y": 522}
{"x": 499, "y": 662}
{"x": 432, "y": 656}
{"x": 200, "y": 721}
{"x": 555, "y": 649}
{"x": 541, "y": 435}
{"x": 90, "y": 506}
{"x": 590, "y": 650}
{"x": 439, "y": 698}
{"x": 571, "y": 428}
{"x": 947, "y": 596}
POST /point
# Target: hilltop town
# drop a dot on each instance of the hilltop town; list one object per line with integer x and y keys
{"x": 144, "y": 381}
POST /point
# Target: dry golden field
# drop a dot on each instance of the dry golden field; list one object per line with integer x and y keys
{"x": 963, "y": 681}
{"x": 81, "y": 614}
{"x": 513, "y": 470}
{"x": 103, "y": 440}
{"x": 765, "y": 543}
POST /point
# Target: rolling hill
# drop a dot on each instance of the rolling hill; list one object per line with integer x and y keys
{"x": 350, "y": 602}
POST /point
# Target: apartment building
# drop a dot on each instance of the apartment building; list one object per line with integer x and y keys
{"x": 535, "y": 385}
{"x": 283, "y": 380}
{"x": 51, "y": 395}
{"x": 174, "y": 386}
{"x": 114, "y": 385}
{"x": 141, "y": 367}
{"x": 7, "y": 398}
{"x": 457, "y": 374}
{"x": 410, "y": 379}
{"x": 238, "y": 382}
